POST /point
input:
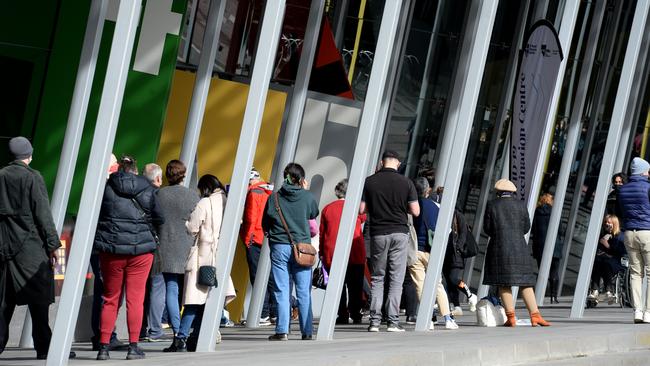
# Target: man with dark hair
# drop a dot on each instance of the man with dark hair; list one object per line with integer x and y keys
{"x": 27, "y": 247}
{"x": 252, "y": 235}
{"x": 388, "y": 197}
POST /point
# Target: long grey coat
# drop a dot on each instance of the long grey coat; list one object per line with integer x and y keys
{"x": 27, "y": 235}
{"x": 176, "y": 203}
{"x": 508, "y": 261}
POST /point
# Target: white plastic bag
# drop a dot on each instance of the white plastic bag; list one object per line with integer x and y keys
{"x": 488, "y": 315}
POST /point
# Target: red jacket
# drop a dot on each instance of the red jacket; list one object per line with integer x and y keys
{"x": 251, "y": 227}
{"x": 329, "y": 229}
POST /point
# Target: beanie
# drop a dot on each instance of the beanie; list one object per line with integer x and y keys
{"x": 20, "y": 148}
{"x": 639, "y": 166}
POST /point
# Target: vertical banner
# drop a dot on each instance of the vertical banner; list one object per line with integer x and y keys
{"x": 538, "y": 72}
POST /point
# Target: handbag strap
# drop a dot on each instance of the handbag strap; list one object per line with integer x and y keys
{"x": 276, "y": 201}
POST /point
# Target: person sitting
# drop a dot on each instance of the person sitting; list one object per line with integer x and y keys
{"x": 607, "y": 264}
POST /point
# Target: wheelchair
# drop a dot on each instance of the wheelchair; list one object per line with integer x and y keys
{"x": 621, "y": 294}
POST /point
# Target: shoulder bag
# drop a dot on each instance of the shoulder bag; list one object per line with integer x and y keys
{"x": 303, "y": 253}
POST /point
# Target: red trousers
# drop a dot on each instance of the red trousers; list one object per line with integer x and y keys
{"x": 129, "y": 273}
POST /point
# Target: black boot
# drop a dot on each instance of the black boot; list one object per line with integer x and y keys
{"x": 553, "y": 284}
{"x": 103, "y": 355}
{"x": 134, "y": 352}
{"x": 179, "y": 345}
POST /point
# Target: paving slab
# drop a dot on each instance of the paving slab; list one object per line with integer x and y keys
{"x": 604, "y": 331}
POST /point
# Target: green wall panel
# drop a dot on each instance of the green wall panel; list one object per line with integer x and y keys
{"x": 143, "y": 109}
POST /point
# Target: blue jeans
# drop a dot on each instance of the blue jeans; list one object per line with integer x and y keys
{"x": 284, "y": 267}
{"x": 172, "y": 283}
{"x": 156, "y": 306}
{"x": 192, "y": 316}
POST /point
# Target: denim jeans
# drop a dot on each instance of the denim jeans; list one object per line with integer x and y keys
{"x": 192, "y": 316}
{"x": 172, "y": 283}
{"x": 284, "y": 267}
{"x": 156, "y": 306}
{"x": 253, "y": 257}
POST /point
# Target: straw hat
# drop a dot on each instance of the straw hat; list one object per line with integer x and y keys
{"x": 505, "y": 185}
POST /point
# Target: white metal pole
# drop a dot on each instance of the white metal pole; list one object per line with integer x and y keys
{"x": 368, "y": 126}
{"x": 202, "y": 86}
{"x": 107, "y": 119}
{"x": 613, "y": 136}
{"x": 260, "y": 79}
{"x": 502, "y": 116}
{"x": 595, "y": 105}
{"x": 477, "y": 37}
{"x": 288, "y": 147}
{"x": 573, "y": 135}
{"x": 74, "y": 129}
{"x": 629, "y": 126}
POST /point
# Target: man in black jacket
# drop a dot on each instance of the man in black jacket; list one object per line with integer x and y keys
{"x": 27, "y": 246}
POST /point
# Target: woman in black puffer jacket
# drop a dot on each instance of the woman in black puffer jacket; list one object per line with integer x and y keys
{"x": 126, "y": 240}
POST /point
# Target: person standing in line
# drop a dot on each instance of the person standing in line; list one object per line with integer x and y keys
{"x": 424, "y": 223}
{"x": 28, "y": 245}
{"x": 126, "y": 239}
{"x": 388, "y": 197}
{"x": 204, "y": 224}
{"x": 453, "y": 267}
{"x": 508, "y": 261}
{"x": 176, "y": 203}
{"x": 352, "y": 295}
{"x": 297, "y": 207}
{"x": 612, "y": 207}
{"x": 634, "y": 202}
{"x": 252, "y": 235}
{"x": 154, "y": 297}
{"x": 538, "y": 237}
{"x": 98, "y": 287}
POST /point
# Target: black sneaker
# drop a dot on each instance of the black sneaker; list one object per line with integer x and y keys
{"x": 394, "y": 327}
{"x": 412, "y": 319}
{"x": 279, "y": 337}
{"x": 307, "y": 337}
{"x": 102, "y": 354}
{"x": 134, "y": 352}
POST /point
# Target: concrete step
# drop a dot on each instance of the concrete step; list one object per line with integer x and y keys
{"x": 632, "y": 358}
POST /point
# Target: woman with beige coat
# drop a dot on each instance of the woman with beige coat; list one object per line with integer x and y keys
{"x": 205, "y": 225}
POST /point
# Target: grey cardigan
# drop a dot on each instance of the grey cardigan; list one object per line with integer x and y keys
{"x": 176, "y": 203}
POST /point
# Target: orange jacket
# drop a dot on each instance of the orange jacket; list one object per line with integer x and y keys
{"x": 251, "y": 227}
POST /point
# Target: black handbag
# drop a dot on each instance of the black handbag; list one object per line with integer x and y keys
{"x": 207, "y": 276}
{"x": 319, "y": 277}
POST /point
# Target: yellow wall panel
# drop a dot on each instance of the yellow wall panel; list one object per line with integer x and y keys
{"x": 218, "y": 143}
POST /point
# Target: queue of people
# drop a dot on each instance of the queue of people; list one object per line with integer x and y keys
{"x": 153, "y": 239}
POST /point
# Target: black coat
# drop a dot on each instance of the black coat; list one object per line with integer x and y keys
{"x": 456, "y": 241}
{"x": 508, "y": 261}
{"x": 27, "y": 235}
{"x": 122, "y": 227}
{"x": 539, "y": 229}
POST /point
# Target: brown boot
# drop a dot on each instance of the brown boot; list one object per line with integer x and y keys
{"x": 536, "y": 319}
{"x": 512, "y": 320}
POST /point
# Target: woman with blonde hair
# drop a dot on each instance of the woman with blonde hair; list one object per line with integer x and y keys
{"x": 607, "y": 264}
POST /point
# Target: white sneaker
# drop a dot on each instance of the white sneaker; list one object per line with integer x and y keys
{"x": 611, "y": 299}
{"x": 451, "y": 324}
{"x": 638, "y": 316}
{"x": 646, "y": 316}
{"x": 431, "y": 325}
{"x": 593, "y": 294}
{"x": 457, "y": 311}
{"x": 472, "y": 299}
